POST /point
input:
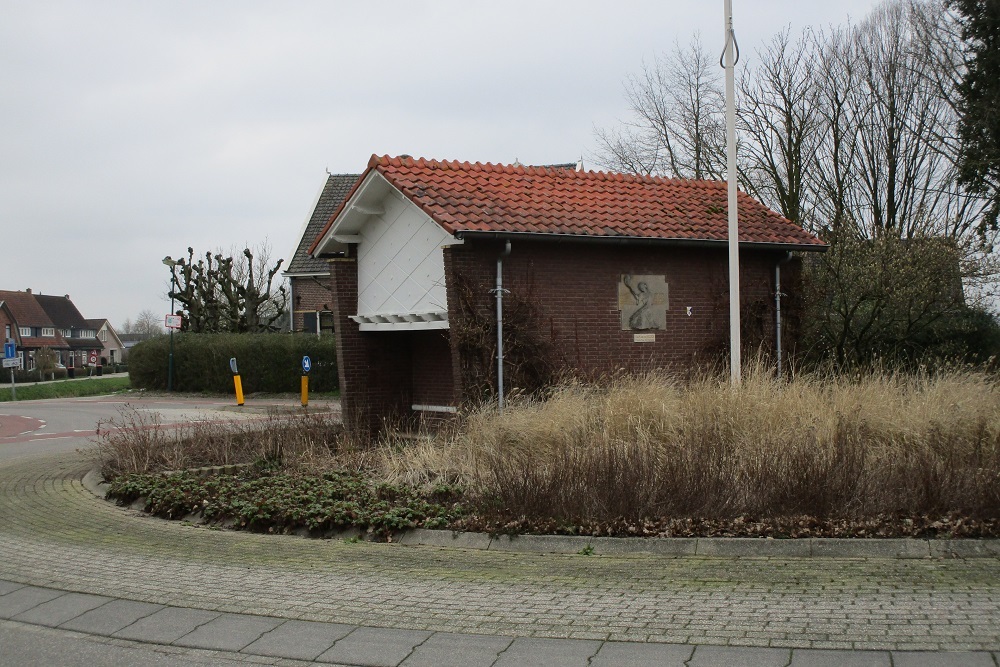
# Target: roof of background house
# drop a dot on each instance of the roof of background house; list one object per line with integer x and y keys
{"x": 469, "y": 199}
{"x": 28, "y": 312}
{"x": 26, "y": 309}
{"x": 334, "y": 192}
{"x": 63, "y": 313}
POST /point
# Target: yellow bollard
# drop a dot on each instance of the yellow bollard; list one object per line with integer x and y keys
{"x": 306, "y": 367}
{"x": 236, "y": 381}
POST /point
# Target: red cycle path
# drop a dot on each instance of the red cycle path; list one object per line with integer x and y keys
{"x": 11, "y": 425}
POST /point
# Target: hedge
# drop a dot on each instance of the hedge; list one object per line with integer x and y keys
{"x": 270, "y": 363}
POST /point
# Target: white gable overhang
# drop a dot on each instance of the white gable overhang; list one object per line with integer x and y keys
{"x": 400, "y": 258}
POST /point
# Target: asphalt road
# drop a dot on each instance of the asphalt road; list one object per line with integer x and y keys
{"x": 50, "y": 426}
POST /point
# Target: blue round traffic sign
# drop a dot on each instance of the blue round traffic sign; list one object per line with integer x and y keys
{"x": 306, "y": 364}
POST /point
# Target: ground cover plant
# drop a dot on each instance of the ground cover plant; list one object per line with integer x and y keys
{"x": 284, "y": 473}
{"x": 871, "y": 455}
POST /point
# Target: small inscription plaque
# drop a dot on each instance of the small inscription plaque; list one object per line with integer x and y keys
{"x": 644, "y": 338}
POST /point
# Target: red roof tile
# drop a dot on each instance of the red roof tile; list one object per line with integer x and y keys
{"x": 471, "y": 198}
{"x": 26, "y": 309}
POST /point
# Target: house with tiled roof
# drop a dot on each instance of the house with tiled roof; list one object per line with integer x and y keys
{"x": 586, "y": 272}
{"x": 114, "y": 348}
{"x": 308, "y": 276}
{"x": 84, "y": 348}
{"x": 35, "y": 328}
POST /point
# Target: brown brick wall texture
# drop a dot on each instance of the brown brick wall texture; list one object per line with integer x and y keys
{"x": 575, "y": 289}
{"x": 309, "y": 295}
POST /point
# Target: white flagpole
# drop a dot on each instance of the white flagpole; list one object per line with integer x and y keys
{"x": 731, "y": 175}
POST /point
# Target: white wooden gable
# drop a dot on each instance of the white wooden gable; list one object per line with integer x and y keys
{"x": 400, "y": 258}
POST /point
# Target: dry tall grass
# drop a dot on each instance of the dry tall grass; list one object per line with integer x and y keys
{"x": 648, "y": 447}
{"x": 137, "y": 442}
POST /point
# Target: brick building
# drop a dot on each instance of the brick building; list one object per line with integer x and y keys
{"x": 308, "y": 277}
{"x": 599, "y": 273}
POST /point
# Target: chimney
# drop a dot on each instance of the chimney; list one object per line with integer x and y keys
{"x": 67, "y": 297}
{"x": 28, "y": 290}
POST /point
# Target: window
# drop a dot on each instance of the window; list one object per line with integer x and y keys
{"x": 48, "y": 331}
{"x": 103, "y": 335}
{"x": 66, "y": 332}
{"x": 25, "y": 331}
{"x": 326, "y": 322}
{"x": 6, "y": 331}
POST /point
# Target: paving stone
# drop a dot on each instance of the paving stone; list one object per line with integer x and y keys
{"x": 229, "y": 632}
{"x": 23, "y": 599}
{"x": 167, "y": 625}
{"x": 299, "y": 640}
{"x": 56, "y": 534}
{"x": 728, "y": 656}
{"x": 8, "y": 587}
{"x": 374, "y": 647}
{"x": 942, "y": 659}
{"x": 61, "y": 609}
{"x": 445, "y": 649}
{"x": 619, "y": 654}
{"x": 826, "y": 658}
{"x": 111, "y": 617}
{"x": 535, "y": 652}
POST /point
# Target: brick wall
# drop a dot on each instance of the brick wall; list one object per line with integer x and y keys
{"x": 574, "y": 287}
{"x": 309, "y": 294}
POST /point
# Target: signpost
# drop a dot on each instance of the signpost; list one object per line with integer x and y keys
{"x": 171, "y": 322}
{"x": 11, "y": 361}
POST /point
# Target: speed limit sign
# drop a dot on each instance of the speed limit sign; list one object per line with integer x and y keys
{"x": 93, "y": 357}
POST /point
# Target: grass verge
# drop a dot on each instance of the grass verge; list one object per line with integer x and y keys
{"x": 66, "y": 389}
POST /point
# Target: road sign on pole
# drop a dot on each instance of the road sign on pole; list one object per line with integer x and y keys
{"x": 9, "y": 349}
{"x": 306, "y": 364}
{"x": 14, "y": 362}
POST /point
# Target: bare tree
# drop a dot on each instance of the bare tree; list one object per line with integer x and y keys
{"x": 780, "y": 122}
{"x": 678, "y": 119}
{"x": 146, "y": 323}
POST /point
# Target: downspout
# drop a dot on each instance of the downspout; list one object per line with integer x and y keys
{"x": 777, "y": 305}
{"x": 499, "y": 292}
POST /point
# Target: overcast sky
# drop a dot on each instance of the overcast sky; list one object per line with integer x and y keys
{"x": 131, "y": 130}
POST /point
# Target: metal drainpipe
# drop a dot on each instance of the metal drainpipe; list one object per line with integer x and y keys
{"x": 777, "y": 304}
{"x": 499, "y": 292}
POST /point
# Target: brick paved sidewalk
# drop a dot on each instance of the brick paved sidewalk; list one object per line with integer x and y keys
{"x": 54, "y": 533}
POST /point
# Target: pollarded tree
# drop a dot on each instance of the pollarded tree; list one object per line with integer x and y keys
{"x": 226, "y": 294}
